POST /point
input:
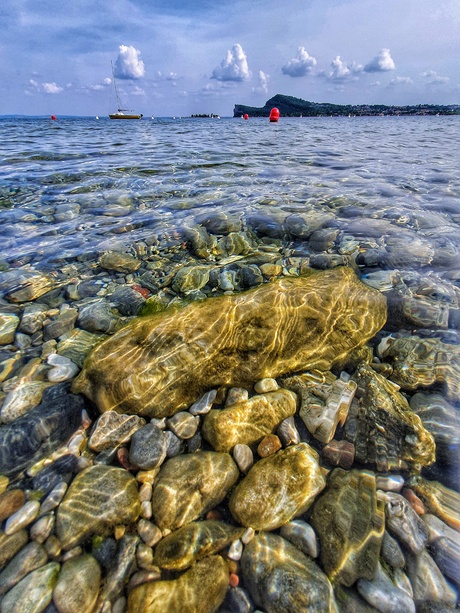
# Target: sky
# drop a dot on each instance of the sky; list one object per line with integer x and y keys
{"x": 183, "y": 57}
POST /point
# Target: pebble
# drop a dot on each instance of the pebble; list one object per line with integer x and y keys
{"x": 63, "y": 368}
{"x": 77, "y": 586}
{"x": 287, "y": 432}
{"x": 34, "y": 592}
{"x": 243, "y": 456}
{"x": 236, "y": 394}
{"x": 10, "y": 502}
{"x": 266, "y": 385}
{"x": 53, "y": 546}
{"x": 31, "y": 557}
{"x": 391, "y": 551}
{"x": 54, "y": 498}
{"x": 204, "y": 404}
{"x": 382, "y": 594}
{"x": 183, "y": 424}
{"x": 8, "y": 326}
{"x": 428, "y": 582}
{"x": 389, "y": 483}
{"x": 11, "y": 544}
{"x": 248, "y": 535}
{"x": 149, "y": 532}
{"x": 302, "y": 535}
{"x": 24, "y": 397}
{"x": 23, "y": 517}
{"x": 42, "y": 528}
{"x": 269, "y": 445}
{"x": 148, "y": 447}
{"x": 113, "y": 429}
{"x": 235, "y": 550}
{"x": 403, "y": 522}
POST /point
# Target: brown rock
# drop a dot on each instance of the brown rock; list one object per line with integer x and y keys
{"x": 10, "y": 502}
{"x": 232, "y": 340}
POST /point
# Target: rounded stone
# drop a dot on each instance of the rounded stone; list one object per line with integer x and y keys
{"x": 148, "y": 447}
{"x": 34, "y": 592}
{"x": 278, "y": 488}
{"x": 10, "y": 502}
{"x": 183, "y": 424}
{"x": 269, "y": 445}
{"x": 99, "y": 498}
{"x": 8, "y": 326}
{"x": 77, "y": 586}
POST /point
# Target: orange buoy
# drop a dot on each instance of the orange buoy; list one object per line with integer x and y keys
{"x": 274, "y": 115}
{"x": 246, "y": 116}
{"x": 53, "y": 117}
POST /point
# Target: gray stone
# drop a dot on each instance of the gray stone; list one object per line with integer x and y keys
{"x": 33, "y": 593}
{"x": 148, "y": 447}
{"x": 113, "y": 429}
{"x": 31, "y": 557}
{"x": 77, "y": 586}
{"x": 183, "y": 424}
{"x": 97, "y": 317}
{"x": 383, "y": 594}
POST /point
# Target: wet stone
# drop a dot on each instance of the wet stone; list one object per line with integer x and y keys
{"x": 190, "y": 485}
{"x": 382, "y": 593}
{"x": 24, "y": 286}
{"x": 8, "y": 326}
{"x": 403, "y": 522}
{"x": 120, "y": 262}
{"x": 190, "y": 278}
{"x": 23, "y": 517}
{"x": 339, "y": 453}
{"x": 61, "y": 470}
{"x": 281, "y": 578}
{"x": 63, "y": 369}
{"x": 77, "y": 586}
{"x": 77, "y": 344}
{"x": 174, "y": 445}
{"x": 63, "y": 324}
{"x": 10, "y": 544}
{"x": 43, "y": 430}
{"x": 148, "y": 447}
{"x": 269, "y": 445}
{"x": 391, "y": 551}
{"x": 266, "y": 385}
{"x": 247, "y": 422}
{"x": 349, "y": 521}
{"x": 236, "y": 601}
{"x": 113, "y": 429}
{"x": 32, "y": 318}
{"x": 427, "y": 581}
{"x": 277, "y": 488}
{"x": 104, "y": 551}
{"x": 24, "y": 397}
{"x": 31, "y": 557}
{"x": 231, "y": 340}
{"x": 34, "y": 592}
{"x": 98, "y": 499}
{"x": 302, "y": 535}
{"x": 183, "y": 424}
{"x": 438, "y": 499}
{"x": 243, "y": 456}
{"x": 97, "y": 317}
{"x": 10, "y": 502}
{"x": 287, "y": 432}
{"x": 204, "y": 404}
{"x": 180, "y": 549}
{"x": 127, "y": 300}
{"x": 201, "y": 588}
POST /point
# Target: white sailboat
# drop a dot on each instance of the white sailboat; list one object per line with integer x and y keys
{"x": 121, "y": 112}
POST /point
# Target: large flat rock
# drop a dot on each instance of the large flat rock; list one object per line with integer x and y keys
{"x": 158, "y": 365}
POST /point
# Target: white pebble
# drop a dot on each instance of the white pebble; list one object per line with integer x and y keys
{"x": 42, "y": 528}
{"x": 145, "y": 492}
{"x": 248, "y": 535}
{"x": 236, "y": 394}
{"x": 266, "y": 385}
{"x": 22, "y": 518}
{"x": 236, "y": 550}
{"x": 146, "y": 509}
{"x": 204, "y": 404}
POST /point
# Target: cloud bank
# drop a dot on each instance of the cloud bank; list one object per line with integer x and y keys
{"x": 234, "y": 67}
{"x": 128, "y": 64}
{"x": 300, "y": 65}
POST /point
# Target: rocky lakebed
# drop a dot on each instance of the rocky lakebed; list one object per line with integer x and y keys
{"x": 235, "y": 416}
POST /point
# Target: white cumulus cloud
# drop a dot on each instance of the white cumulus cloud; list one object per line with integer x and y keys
{"x": 128, "y": 64}
{"x": 341, "y": 71}
{"x": 47, "y": 88}
{"x": 382, "y": 62}
{"x": 234, "y": 67}
{"x": 300, "y": 65}
{"x": 262, "y": 87}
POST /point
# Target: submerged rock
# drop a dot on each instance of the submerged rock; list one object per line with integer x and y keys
{"x": 184, "y": 546}
{"x": 98, "y": 499}
{"x": 278, "y": 488}
{"x": 281, "y": 578}
{"x": 421, "y": 362}
{"x": 350, "y": 522}
{"x": 232, "y": 340}
{"x": 200, "y": 589}
{"x": 189, "y": 485}
{"x": 247, "y": 422}
{"x": 438, "y": 499}
{"x": 386, "y": 433}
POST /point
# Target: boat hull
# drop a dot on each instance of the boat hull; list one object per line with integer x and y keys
{"x": 124, "y": 116}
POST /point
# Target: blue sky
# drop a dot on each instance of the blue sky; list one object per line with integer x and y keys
{"x": 176, "y": 57}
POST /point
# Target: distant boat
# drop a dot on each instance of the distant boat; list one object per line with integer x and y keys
{"x": 121, "y": 112}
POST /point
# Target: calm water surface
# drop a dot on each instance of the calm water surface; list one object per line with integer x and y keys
{"x": 80, "y": 185}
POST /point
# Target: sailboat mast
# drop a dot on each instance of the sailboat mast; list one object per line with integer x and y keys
{"x": 115, "y": 86}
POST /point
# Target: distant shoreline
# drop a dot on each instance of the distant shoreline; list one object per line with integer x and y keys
{"x": 296, "y": 107}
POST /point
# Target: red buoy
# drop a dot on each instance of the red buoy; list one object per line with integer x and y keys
{"x": 53, "y": 117}
{"x": 246, "y": 116}
{"x": 274, "y": 115}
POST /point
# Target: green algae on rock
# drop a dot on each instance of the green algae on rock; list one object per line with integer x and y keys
{"x": 189, "y": 485}
{"x": 99, "y": 498}
{"x": 350, "y": 522}
{"x": 184, "y": 546}
{"x": 158, "y": 365}
{"x": 248, "y": 421}
{"x": 278, "y": 488}
{"x": 199, "y": 590}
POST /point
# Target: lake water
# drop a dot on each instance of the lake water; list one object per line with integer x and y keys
{"x": 194, "y": 208}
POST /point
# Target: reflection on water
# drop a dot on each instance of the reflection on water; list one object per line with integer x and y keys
{"x": 340, "y": 408}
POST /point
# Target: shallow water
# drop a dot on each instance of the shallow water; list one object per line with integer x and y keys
{"x": 126, "y": 180}
{"x": 380, "y": 195}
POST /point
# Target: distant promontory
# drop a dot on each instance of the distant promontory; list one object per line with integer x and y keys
{"x": 296, "y": 107}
